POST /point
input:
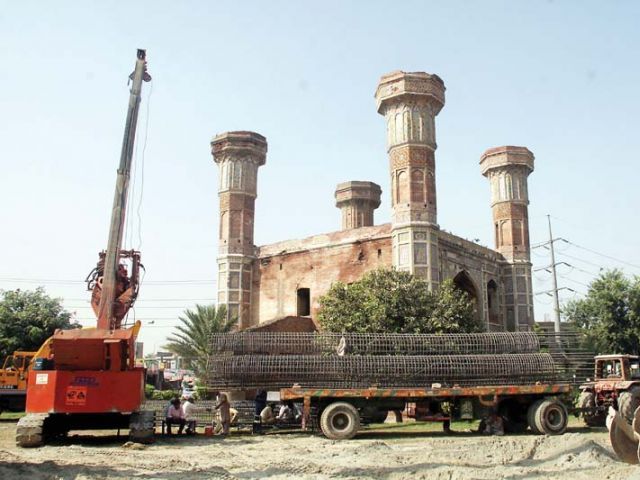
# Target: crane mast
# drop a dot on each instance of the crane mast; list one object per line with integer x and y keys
{"x": 108, "y": 294}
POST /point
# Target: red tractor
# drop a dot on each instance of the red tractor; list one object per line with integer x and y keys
{"x": 87, "y": 378}
{"x": 616, "y": 383}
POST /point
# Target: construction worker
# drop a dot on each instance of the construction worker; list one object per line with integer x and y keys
{"x": 267, "y": 416}
{"x": 260, "y": 404}
{"x": 189, "y": 409}
{"x": 175, "y": 416}
{"x": 287, "y": 413}
{"x": 493, "y": 424}
{"x": 225, "y": 413}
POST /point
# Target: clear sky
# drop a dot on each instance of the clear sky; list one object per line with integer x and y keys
{"x": 559, "y": 77}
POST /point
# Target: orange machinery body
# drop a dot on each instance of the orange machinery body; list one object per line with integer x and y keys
{"x": 87, "y": 371}
{"x": 85, "y": 391}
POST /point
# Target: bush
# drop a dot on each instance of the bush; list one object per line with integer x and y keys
{"x": 203, "y": 393}
{"x": 149, "y": 390}
{"x": 165, "y": 394}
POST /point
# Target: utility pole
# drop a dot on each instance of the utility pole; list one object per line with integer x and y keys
{"x": 554, "y": 278}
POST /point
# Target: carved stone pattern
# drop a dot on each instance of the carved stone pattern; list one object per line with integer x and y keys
{"x": 509, "y": 210}
{"x": 411, "y": 155}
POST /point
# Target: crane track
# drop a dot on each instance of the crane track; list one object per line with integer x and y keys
{"x": 30, "y": 431}
{"x": 142, "y": 426}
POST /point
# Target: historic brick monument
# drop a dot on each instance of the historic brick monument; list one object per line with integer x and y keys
{"x": 287, "y": 278}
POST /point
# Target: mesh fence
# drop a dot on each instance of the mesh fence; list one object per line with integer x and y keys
{"x": 574, "y": 362}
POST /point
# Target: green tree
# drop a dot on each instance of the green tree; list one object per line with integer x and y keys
{"x": 609, "y": 315}
{"x": 388, "y": 300}
{"x": 191, "y": 339}
{"x": 28, "y": 318}
{"x": 453, "y": 311}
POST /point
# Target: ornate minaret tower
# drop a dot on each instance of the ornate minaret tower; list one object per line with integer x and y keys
{"x": 357, "y": 201}
{"x": 410, "y": 103}
{"x": 507, "y": 169}
{"x": 238, "y": 155}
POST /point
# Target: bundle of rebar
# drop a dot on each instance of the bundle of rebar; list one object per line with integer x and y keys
{"x": 289, "y": 343}
{"x": 362, "y": 371}
{"x": 333, "y": 360}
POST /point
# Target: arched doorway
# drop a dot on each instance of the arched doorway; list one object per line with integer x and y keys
{"x": 462, "y": 281}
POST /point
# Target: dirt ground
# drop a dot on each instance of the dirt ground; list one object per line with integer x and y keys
{"x": 393, "y": 453}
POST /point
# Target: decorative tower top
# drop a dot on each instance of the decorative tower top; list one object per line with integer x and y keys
{"x": 357, "y": 201}
{"x": 507, "y": 169}
{"x": 239, "y": 154}
{"x": 410, "y": 101}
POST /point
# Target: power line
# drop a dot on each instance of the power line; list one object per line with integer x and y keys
{"x": 574, "y": 281}
{"x": 600, "y": 267}
{"x": 603, "y": 255}
{"x": 573, "y": 267}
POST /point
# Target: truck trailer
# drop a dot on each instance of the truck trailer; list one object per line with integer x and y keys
{"x": 345, "y": 381}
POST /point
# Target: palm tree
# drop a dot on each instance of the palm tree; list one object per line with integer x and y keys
{"x": 191, "y": 340}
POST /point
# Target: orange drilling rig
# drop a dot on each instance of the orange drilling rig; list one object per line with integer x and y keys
{"x": 85, "y": 379}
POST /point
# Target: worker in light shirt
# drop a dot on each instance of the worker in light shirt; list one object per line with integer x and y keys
{"x": 189, "y": 409}
{"x": 175, "y": 416}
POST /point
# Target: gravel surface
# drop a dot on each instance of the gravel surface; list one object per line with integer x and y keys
{"x": 389, "y": 454}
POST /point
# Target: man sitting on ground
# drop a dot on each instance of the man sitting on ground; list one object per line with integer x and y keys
{"x": 287, "y": 413}
{"x": 492, "y": 425}
{"x": 266, "y": 415}
{"x": 175, "y": 416}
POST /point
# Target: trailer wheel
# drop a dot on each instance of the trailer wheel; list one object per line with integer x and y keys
{"x": 531, "y": 416}
{"x": 591, "y": 417}
{"x": 628, "y": 401}
{"x": 340, "y": 421}
{"x": 551, "y": 417}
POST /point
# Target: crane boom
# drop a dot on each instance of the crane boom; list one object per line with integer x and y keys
{"x": 106, "y": 318}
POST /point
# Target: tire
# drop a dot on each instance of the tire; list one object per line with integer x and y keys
{"x": 142, "y": 426}
{"x": 593, "y": 418}
{"x": 628, "y": 402}
{"x": 340, "y": 421}
{"x": 531, "y": 416}
{"x": 551, "y": 417}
